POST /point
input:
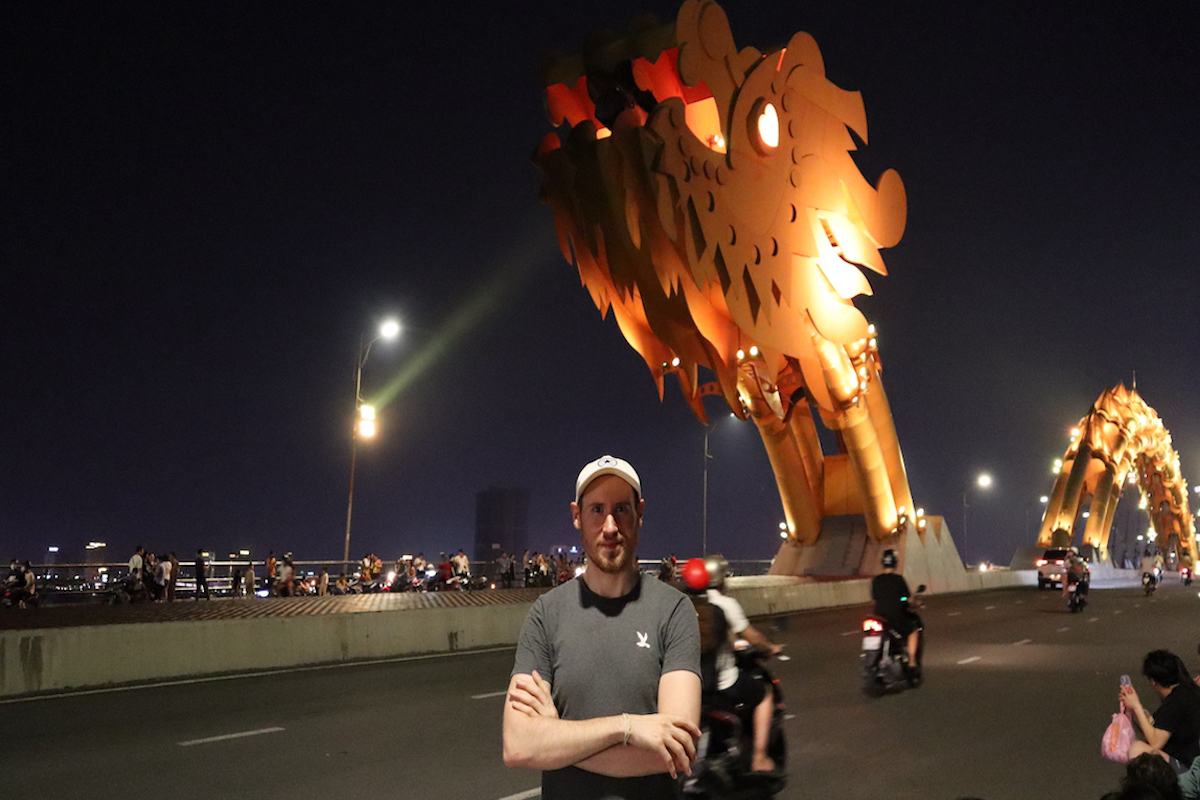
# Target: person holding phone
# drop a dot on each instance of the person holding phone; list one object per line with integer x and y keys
{"x": 1173, "y": 731}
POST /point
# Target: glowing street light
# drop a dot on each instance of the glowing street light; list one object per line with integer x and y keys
{"x": 983, "y": 481}
{"x": 366, "y": 421}
{"x": 364, "y": 414}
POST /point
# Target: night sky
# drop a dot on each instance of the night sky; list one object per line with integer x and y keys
{"x": 205, "y": 206}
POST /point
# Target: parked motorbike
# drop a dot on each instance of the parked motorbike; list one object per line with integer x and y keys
{"x": 884, "y": 657}
{"x": 15, "y": 595}
{"x": 723, "y": 753}
{"x": 127, "y": 590}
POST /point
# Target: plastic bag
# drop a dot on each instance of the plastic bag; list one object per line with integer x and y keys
{"x": 1118, "y": 736}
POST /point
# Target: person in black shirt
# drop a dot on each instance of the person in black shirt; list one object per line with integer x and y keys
{"x": 893, "y": 602}
{"x": 1174, "y": 729}
{"x": 201, "y": 575}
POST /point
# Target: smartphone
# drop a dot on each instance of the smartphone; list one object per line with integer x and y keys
{"x": 1125, "y": 680}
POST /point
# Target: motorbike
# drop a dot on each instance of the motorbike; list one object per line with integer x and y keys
{"x": 15, "y": 595}
{"x": 127, "y": 590}
{"x": 722, "y": 767}
{"x": 1076, "y": 599}
{"x": 1185, "y": 575}
{"x": 1150, "y": 582}
{"x": 884, "y": 657}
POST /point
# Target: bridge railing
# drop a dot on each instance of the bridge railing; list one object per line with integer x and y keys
{"x": 96, "y": 578}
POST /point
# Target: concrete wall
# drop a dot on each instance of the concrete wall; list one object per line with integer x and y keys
{"x": 777, "y": 594}
{"x": 57, "y": 659}
{"x": 54, "y": 659}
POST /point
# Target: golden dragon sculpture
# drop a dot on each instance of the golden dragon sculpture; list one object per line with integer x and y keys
{"x": 708, "y": 196}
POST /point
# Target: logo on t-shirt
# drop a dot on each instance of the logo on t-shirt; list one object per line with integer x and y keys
{"x": 642, "y": 637}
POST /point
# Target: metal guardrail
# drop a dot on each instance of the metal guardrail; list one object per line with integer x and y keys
{"x": 83, "y": 580}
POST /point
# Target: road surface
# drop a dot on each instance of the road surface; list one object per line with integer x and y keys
{"x": 1018, "y": 692}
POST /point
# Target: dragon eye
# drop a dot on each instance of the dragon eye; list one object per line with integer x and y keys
{"x": 764, "y": 127}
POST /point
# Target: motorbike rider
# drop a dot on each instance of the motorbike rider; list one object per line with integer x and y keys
{"x": 30, "y": 584}
{"x": 18, "y": 581}
{"x": 895, "y": 603}
{"x": 1152, "y": 565}
{"x": 736, "y": 686}
{"x": 1077, "y": 572}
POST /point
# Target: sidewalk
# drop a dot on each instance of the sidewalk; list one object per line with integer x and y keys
{"x": 73, "y": 616}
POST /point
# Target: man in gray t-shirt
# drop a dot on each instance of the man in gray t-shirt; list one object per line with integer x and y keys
{"x": 604, "y": 696}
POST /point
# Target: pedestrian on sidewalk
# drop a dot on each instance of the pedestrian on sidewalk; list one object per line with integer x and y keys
{"x": 201, "y": 575}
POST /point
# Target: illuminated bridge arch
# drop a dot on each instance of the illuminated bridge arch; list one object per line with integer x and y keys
{"x": 1120, "y": 443}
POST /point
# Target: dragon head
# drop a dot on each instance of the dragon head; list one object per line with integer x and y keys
{"x": 708, "y": 195}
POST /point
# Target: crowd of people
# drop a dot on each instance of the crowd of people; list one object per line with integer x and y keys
{"x": 155, "y": 576}
{"x": 537, "y": 569}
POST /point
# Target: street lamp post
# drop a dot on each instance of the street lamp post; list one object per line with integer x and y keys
{"x": 364, "y": 420}
{"x": 704, "y": 501}
{"x": 984, "y": 481}
{"x": 1042, "y": 501}
{"x": 704, "y": 493}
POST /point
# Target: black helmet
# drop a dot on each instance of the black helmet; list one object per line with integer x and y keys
{"x": 889, "y": 559}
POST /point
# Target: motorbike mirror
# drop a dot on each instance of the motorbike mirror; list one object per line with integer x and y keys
{"x": 921, "y": 588}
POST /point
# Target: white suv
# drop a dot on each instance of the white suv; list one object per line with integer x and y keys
{"x": 1052, "y": 567}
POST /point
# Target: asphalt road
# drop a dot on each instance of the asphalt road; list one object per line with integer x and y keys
{"x": 1018, "y": 692}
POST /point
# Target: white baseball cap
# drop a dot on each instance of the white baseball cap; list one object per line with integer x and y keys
{"x": 607, "y": 465}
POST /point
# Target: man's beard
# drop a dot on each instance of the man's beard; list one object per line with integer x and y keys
{"x": 613, "y": 564}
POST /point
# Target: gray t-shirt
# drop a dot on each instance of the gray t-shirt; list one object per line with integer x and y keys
{"x": 603, "y": 657}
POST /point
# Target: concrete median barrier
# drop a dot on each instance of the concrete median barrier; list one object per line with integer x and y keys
{"x": 56, "y": 659}
{"x": 41, "y": 660}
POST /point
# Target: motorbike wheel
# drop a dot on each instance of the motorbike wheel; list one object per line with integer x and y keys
{"x": 873, "y": 685}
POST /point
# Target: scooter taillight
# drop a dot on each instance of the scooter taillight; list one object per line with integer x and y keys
{"x": 872, "y": 626}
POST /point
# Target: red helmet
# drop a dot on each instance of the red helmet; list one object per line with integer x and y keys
{"x": 695, "y": 574}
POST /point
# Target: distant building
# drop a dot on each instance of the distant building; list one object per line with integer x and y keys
{"x": 95, "y": 554}
{"x": 501, "y": 522}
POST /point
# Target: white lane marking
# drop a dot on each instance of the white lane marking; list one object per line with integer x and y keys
{"x": 290, "y": 670}
{"x": 850, "y": 633}
{"x": 525, "y": 795}
{"x": 1118, "y": 611}
{"x": 1094, "y": 619}
{"x": 988, "y": 608}
{"x": 1020, "y": 601}
{"x": 489, "y": 694}
{"x": 789, "y": 716}
{"x": 1024, "y": 641}
{"x": 228, "y": 736}
{"x": 969, "y": 660}
{"x": 954, "y": 614}
{"x": 1060, "y": 630}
